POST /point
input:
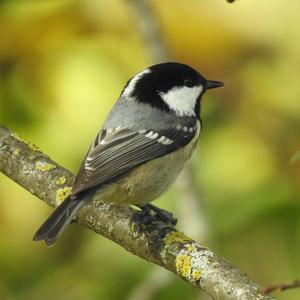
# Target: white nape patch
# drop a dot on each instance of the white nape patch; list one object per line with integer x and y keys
{"x": 131, "y": 85}
{"x": 182, "y": 99}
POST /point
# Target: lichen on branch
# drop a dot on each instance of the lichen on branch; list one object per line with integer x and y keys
{"x": 157, "y": 243}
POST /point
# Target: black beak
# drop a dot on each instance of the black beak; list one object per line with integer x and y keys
{"x": 210, "y": 84}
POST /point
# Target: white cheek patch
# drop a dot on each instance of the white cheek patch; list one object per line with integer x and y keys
{"x": 182, "y": 99}
{"x": 131, "y": 85}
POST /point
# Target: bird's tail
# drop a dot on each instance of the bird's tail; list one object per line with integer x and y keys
{"x": 53, "y": 227}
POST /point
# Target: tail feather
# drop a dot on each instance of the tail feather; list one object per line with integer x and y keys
{"x": 53, "y": 227}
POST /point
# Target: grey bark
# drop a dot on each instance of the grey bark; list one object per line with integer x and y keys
{"x": 158, "y": 243}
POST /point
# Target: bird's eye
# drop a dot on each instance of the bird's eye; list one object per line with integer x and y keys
{"x": 189, "y": 82}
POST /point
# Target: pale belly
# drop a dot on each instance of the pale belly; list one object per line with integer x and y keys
{"x": 147, "y": 182}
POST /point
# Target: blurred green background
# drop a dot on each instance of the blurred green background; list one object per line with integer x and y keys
{"x": 63, "y": 64}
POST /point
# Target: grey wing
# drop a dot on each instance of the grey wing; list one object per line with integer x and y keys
{"x": 114, "y": 153}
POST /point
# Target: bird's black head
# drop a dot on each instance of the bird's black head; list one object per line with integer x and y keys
{"x": 171, "y": 87}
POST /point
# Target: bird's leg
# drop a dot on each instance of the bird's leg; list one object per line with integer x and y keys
{"x": 150, "y": 214}
{"x": 159, "y": 213}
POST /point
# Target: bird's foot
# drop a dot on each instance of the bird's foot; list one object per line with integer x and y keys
{"x": 151, "y": 215}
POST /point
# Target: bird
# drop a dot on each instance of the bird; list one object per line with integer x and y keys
{"x": 151, "y": 131}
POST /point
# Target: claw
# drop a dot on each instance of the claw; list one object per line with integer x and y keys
{"x": 149, "y": 215}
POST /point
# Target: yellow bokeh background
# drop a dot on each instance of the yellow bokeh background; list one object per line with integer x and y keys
{"x": 64, "y": 63}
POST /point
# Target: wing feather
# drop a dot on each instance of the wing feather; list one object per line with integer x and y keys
{"x": 114, "y": 153}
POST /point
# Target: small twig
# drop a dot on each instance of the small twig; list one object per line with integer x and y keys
{"x": 149, "y": 30}
{"x": 280, "y": 287}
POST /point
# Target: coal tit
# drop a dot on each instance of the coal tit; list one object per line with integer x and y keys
{"x": 148, "y": 136}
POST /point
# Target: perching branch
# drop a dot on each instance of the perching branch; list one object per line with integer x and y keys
{"x": 157, "y": 243}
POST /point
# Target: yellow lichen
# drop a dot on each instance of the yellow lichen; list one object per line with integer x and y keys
{"x": 196, "y": 274}
{"x": 63, "y": 193}
{"x": 176, "y": 237}
{"x": 33, "y": 147}
{"x": 61, "y": 180}
{"x": 183, "y": 265}
{"x": 43, "y": 166}
{"x": 15, "y": 135}
{"x": 191, "y": 248}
